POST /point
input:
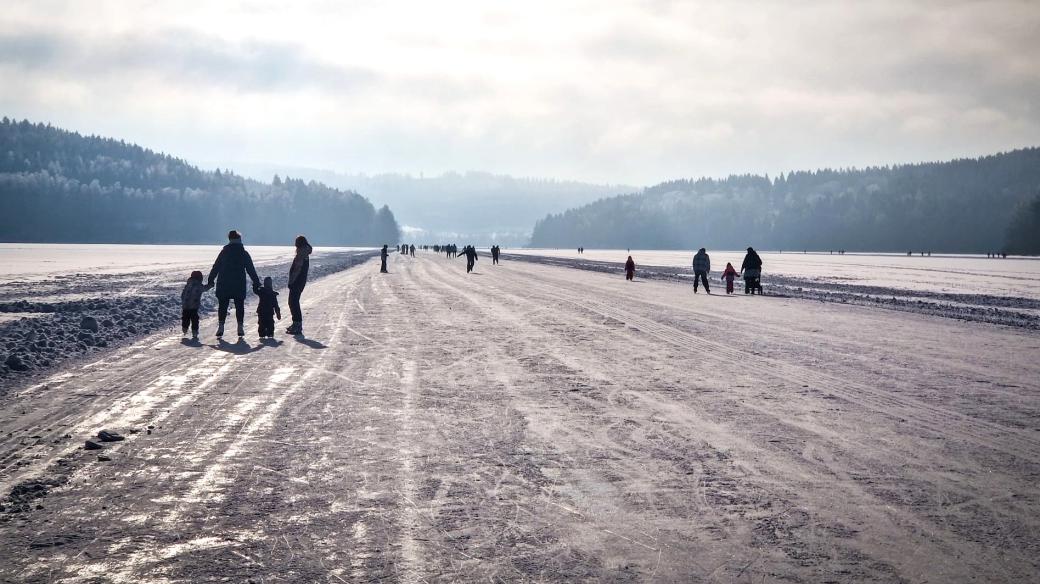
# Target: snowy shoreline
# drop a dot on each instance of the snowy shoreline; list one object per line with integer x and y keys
{"x": 48, "y": 325}
{"x": 1003, "y": 310}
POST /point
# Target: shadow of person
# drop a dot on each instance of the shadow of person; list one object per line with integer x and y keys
{"x": 191, "y": 343}
{"x": 241, "y": 347}
{"x": 310, "y": 342}
{"x": 270, "y": 342}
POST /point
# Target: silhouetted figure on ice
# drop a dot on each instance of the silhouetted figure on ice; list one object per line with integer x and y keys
{"x": 630, "y": 269}
{"x": 751, "y": 269}
{"x": 728, "y": 275}
{"x": 230, "y": 270}
{"x": 701, "y": 267}
{"x": 267, "y": 309}
{"x": 470, "y": 253}
{"x": 495, "y": 251}
{"x": 301, "y": 265}
{"x": 411, "y": 250}
{"x": 191, "y": 298}
{"x": 382, "y": 258}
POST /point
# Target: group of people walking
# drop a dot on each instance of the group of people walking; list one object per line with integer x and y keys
{"x": 750, "y": 269}
{"x": 233, "y": 270}
{"x": 229, "y": 276}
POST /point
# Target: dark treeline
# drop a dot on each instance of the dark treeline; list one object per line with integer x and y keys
{"x": 1024, "y": 233}
{"x": 60, "y": 186}
{"x": 958, "y": 206}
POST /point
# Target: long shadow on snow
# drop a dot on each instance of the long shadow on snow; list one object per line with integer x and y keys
{"x": 239, "y": 348}
{"x": 310, "y": 342}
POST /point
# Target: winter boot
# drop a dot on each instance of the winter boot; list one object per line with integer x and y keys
{"x": 220, "y": 330}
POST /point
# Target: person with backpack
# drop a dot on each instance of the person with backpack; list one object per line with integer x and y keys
{"x": 230, "y": 269}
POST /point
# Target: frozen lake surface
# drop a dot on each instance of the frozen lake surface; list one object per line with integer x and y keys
{"x": 950, "y": 274}
{"x": 532, "y": 422}
{"x": 28, "y": 261}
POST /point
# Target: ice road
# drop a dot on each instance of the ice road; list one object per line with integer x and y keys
{"x": 536, "y": 423}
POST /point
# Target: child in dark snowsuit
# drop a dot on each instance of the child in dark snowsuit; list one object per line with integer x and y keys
{"x": 729, "y": 274}
{"x": 630, "y": 269}
{"x": 267, "y": 309}
{"x": 191, "y": 298}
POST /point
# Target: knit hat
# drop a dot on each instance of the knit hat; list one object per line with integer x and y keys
{"x": 234, "y": 234}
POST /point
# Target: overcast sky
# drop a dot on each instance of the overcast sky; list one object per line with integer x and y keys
{"x": 603, "y": 91}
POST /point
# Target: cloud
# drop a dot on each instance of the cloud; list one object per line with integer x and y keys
{"x": 621, "y": 91}
{"x": 179, "y": 56}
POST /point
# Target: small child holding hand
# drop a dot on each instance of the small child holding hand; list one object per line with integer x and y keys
{"x": 191, "y": 298}
{"x": 267, "y": 309}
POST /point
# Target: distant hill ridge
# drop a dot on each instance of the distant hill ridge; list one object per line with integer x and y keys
{"x": 60, "y": 186}
{"x": 964, "y": 205}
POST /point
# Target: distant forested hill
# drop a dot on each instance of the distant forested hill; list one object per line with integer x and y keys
{"x": 959, "y": 206}
{"x": 59, "y": 186}
{"x": 473, "y": 207}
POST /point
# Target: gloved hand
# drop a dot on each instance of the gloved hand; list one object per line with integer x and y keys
{"x": 256, "y": 289}
{"x": 207, "y": 287}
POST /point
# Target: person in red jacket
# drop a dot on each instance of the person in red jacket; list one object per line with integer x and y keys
{"x": 728, "y": 275}
{"x": 630, "y": 269}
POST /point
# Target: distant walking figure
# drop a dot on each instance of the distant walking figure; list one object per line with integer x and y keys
{"x": 630, "y": 269}
{"x": 191, "y": 298}
{"x": 230, "y": 270}
{"x": 382, "y": 257}
{"x": 267, "y": 309}
{"x": 470, "y": 253}
{"x": 701, "y": 267}
{"x": 411, "y": 250}
{"x": 751, "y": 269}
{"x": 301, "y": 265}
{"x": 495, "y": 250}
{"x": 728, "y": 275}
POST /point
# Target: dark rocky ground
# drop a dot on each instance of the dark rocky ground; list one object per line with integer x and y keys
{"x": 83, "y": 314}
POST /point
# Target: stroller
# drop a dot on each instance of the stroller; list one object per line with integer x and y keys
{"x": 753, "y": 280}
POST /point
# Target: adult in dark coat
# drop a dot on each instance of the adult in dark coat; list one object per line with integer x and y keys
{"x": 470, "y": 253}
{"x": 230, "y": 270}
{"x": 382, "y": 258}
{"x": 751, "y": 269}
{"x": 297, "y": 280}
{"x": 701, "y": 268}
{"x": 630, "y": 269}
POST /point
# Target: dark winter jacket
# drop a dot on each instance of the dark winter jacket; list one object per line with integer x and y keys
{"x": 230, "y": 270}
{"x": 630, "y": 266}
{"x": 301, "y": 264}
{"x": 191, "y": 295}
{"x": 268, "y": 306}
{"x": 701, "y": 262}
{"x": 469, "y": 253}
{"x": 751, "y": 262}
